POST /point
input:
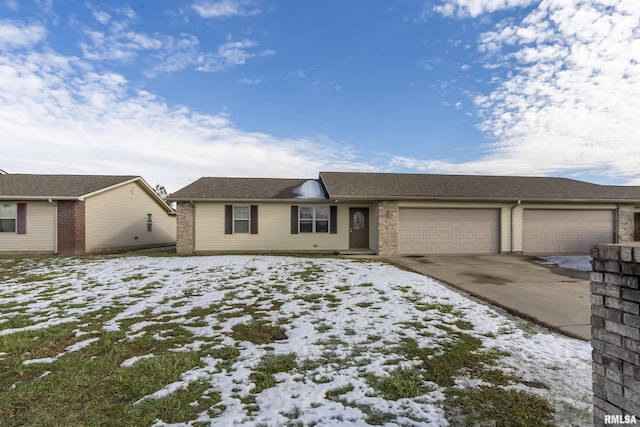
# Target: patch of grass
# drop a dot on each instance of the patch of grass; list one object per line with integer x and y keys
{"x": 271, "y": 364}
{"x": 311, "y": 273}
{"x": 334, "y": 393}
{"x": 502, "y": 407}
{"x": 400, "y": 383}
{"x": 88, "y": 386}
{"x": 258, "y": 332}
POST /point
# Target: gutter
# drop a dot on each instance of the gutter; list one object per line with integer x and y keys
{"x": 55, "y": 226}
{"x": 518, "y": 203}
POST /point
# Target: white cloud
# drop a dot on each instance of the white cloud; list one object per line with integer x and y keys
{"x": 58, "y": 115}
{"x": 14, "y": 34}
{"x": 474, "y": 8}
{"x": 159, "y": 53}
{"x": 569, "y": 101}
{"x": 230, "y": 55}
{"x": 224, "y": 8}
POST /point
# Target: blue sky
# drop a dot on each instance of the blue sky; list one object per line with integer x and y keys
{"x": 175, "y": 90}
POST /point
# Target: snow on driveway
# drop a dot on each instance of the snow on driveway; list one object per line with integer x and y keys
{"x": 325, "y": 306}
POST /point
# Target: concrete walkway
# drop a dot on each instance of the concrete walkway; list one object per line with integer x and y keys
{"x": 554, "y": 297}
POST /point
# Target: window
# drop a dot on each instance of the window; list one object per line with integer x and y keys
{"x": 8, "y": 216}
{"x": 314, "y": 219}
{"x": 241, "y": 218}
{"x": 149, "y": 223}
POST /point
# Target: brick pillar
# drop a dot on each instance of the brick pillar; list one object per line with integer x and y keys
{"x": 625, "y": 224}
{"x": 71, "y": 223}
{"x": 615, "y": 330}
{"x": 185, "y": 239}
{"x": 388, "y": 228}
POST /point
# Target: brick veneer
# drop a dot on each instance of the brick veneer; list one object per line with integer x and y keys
{"x": 615, "y": 330}
{"x": 185, "y": 239}
{"x": 71, "y": 222}
{"x": 388, "y": 228}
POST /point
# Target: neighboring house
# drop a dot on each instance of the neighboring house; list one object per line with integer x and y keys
{"x": 390, "y": 214}
{"x": 77, "y": 214}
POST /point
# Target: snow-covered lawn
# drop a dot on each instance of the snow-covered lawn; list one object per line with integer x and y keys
{"x": 284, "y": 340}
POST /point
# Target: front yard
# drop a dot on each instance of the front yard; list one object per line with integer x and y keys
{"x": 260, "y": 340}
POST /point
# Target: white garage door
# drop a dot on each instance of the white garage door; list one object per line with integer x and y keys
{"x": 424, "y": 231}
{"x": 565, "y": 231}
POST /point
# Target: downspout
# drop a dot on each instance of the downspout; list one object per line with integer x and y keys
{"x": 55, "y": 226}
{"x": 512, "y": 225}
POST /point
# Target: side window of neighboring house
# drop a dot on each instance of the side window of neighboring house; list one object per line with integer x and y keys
{"x": 149, "y": 223}
{"x": 8, "y": 218}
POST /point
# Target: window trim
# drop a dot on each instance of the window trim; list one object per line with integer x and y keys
{"x": 236, "y": 219}
{"x": 314, "y": 219}
{"x": 149, "y": 223}
{"x": 230, "y": 219}
{"x": 14, "y": 218}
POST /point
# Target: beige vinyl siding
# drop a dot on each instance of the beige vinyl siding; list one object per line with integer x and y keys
{"x": 41, "y": 231}
{"x": 274, "y": 230}
{"x": 117, "y": 218}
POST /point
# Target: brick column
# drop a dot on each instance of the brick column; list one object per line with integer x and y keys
{"x": 615, "y": 330}
{"x": 388, "y": 228}
{"x": 71, "y": 224}
{"x": 625, "y": 224}
{"x": 185, "y": 238}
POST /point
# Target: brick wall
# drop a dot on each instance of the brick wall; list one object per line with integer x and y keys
{"x": 71, "y": 234}
{"x": 615, "y": 321}
{"x": 185, "y": 239}
{"x": 388, "y": 228}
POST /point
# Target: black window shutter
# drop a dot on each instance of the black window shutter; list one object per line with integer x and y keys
{"x": 22, "y": 218}
{"x": 333, "y": 219}
{"x": 228, "y": 219}
{"x": 254, "y": 219}
{"x": 294, "y": 220}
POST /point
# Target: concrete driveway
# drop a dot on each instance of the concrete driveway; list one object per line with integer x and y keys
{"x": 555, "y": 297}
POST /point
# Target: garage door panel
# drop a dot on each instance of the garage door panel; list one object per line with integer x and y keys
{"x": 448, "y": 231}
{"x": 557, "y": 231}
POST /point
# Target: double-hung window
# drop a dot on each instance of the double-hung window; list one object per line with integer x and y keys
{"x": 241, "y": 219}
{"x": 149, "y": 223}
{"x": 314, "y": 219}
{"x": 8, "y": 218}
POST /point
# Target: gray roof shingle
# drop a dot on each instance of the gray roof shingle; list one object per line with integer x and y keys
{"x": 440, "y": 187}
{"x": 210, "y": 188}
{"x": 28, "y": 186}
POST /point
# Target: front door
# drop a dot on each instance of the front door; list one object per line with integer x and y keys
{"x": 359, "y": 228}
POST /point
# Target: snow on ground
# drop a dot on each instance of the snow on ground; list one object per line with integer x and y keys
{"x": 328, "y": 308}
{"x": 578, "y": 262}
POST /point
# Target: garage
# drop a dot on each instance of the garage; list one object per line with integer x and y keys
{"x": 448, "y": 231}
{"x": 565, "y": 231}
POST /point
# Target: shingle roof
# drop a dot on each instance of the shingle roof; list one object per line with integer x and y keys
{"x": 210, "y": 188}
{"x": 28, "y": 186}
{"x": 440, "y": 187}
